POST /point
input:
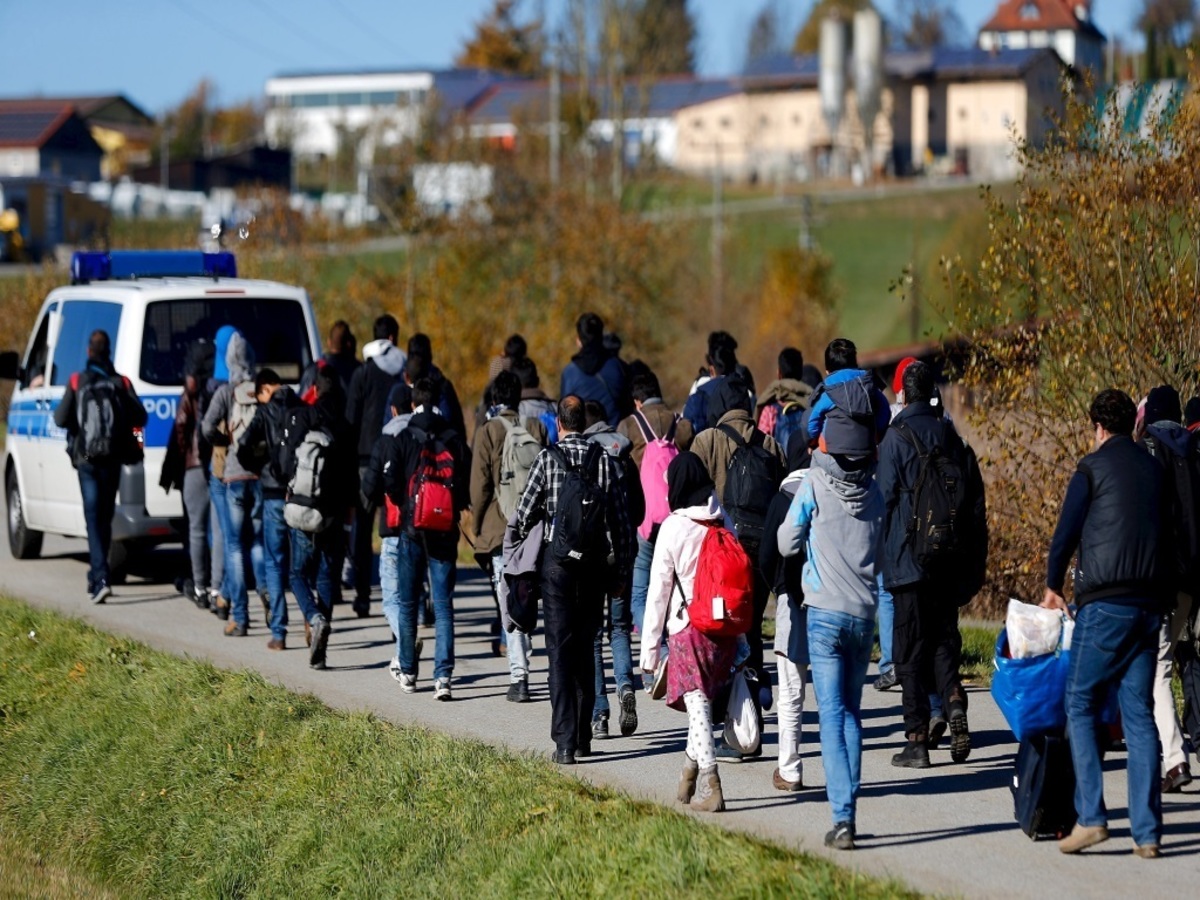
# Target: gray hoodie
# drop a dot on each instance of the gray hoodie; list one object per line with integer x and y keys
{"x": 233, "y": 402}
{"x": 837, "y": 517}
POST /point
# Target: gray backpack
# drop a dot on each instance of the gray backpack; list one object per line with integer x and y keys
{"x": 308, "y": 486}
{"x": 517, "y": 455}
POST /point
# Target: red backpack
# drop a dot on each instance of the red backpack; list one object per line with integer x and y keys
{"x": 431, "y": 488}
{"x": 722, "y": 603}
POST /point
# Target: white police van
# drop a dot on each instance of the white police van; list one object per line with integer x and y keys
{"x": 154, "y": 306}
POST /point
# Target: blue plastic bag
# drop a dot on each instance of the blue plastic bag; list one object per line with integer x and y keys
{"x": 1031, "y": 693}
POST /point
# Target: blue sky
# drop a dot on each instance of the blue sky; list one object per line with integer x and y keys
{"x": 155, "y": 51}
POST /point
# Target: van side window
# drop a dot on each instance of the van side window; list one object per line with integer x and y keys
{"x": 34, "y": 372}
{"x": 79, "y": 319}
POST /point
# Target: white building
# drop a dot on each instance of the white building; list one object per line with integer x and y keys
{"x": 1065, "y": 25}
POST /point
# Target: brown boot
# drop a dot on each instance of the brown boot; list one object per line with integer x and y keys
{"x": 1082, "y": 837}
{"x": 708, "y": 797}
{"x": 687, "y": 780}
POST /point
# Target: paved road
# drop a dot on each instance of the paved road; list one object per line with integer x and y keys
{"x": 948, "y": 830}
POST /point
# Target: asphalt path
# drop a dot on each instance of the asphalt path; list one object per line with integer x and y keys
{"x": 947, "y": 830}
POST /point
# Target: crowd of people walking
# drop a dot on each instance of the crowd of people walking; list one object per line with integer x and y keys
{"x": 619, "y": 518}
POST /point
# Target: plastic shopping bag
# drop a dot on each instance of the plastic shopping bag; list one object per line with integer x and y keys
{"x": 1031, "y": 692}
{"x": 1032, "y": 631}
{"x": 741, "y": 718}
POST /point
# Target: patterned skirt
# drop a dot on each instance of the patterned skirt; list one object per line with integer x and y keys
{"x": 697, "y": 662}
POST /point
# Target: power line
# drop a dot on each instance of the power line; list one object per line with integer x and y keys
{"x": 229, "y": 34}
{"x": 299, "y": 32}
{"x": 365, "y": 28}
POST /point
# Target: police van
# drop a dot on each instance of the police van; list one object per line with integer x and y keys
{"x": 154, "y": 306}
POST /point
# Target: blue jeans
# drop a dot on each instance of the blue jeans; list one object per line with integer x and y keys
{"x": 310, "y": 553}
{"x": 412, "y": 565}
{"x": 275, "y": 542}
{"x": 518, "y": 644}
{"x": 389, "y": 581}
{"x": 839, "y": 647}
{"x": 218, "y": 493}
{"x": 98, "y": 484}
{"x": 619, "y": 622}
{"x": 1115, "y": 644}
{"x": 244, "y": 501}
{"x": 641, "y": 581}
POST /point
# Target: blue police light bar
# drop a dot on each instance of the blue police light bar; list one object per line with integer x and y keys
{"x": 129, "y": 264}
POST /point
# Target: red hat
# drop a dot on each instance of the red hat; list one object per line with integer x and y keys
{"x": 898, "y": 378}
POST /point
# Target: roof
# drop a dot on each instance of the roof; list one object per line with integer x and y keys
{"x": 459, "y": 88}
{"x": 31, "y": 123}
{"x": 100, "y": 108}
{"x": 658, "y": 99}
{"x": 1043, "y": 15}
{"x": 975, "y": 63}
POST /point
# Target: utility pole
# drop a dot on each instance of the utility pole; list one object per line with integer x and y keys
{"x": 164, "y": 157}
{"x": 718, "y": 236}
{"x": 555, "y": 117}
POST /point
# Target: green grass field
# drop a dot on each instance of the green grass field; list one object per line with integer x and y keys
{"x": 143, "y": 774}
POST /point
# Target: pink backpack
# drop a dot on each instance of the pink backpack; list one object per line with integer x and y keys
{"x": 659, "y": 453}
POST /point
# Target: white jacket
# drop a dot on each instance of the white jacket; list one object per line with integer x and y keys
{"x": 676, "y": 553}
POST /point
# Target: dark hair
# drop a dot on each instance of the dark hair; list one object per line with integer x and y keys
{"x": 515, "y": 347}
{"x": 918, "y": 382}
{"x": 1191, "y": 412}
{"x": 724, "y": 360}
{"x": 386, "y": 327}
{"x": 841, "y": 354}
{"x": 791, "y": 363}
{"x": 327, "y": 381}
{"x": 400, "y": 398}
{"x": 422, "y": 394}
{"x": 416, "y": 366}
{"x": 99, "y": 345}
{"x": 645, "y": 387}
{"x": 341, "y": 338}
{"x": 571, "y": 413}
{"x": 717, "y": 339}
{"x": 594, "y": 413}
{"x": 526, "y": 371}
{"x": 506, "y": 390}
{"x": 265, "y": 377}
{"x": 1113, "y": 411}
{"x": 612, "y": 342}
{"x": 420, "y": 343}
{"x": 590, "y": 327}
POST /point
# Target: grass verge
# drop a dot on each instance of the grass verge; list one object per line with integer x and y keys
{"x": 150, "y": 775}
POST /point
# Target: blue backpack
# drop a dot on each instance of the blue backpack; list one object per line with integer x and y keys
{"x": 792, "y": 419}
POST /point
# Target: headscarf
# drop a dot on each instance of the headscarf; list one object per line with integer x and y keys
{"x": 688, "y": 482}
{"x": 221, "y": 343}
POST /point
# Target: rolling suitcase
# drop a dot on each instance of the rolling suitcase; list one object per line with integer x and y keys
{"x": 1044, "y": 787}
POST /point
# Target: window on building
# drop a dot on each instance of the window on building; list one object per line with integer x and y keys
{"x": 962, "y": 112}
{"x": 764, "y": 121}
{"x": 796, "y": 118}
{"x": 726, "y": 122}
{"x": 698, "y": 124}
{"x": 381, "y": 98}
{"x": 1030, "y": 12}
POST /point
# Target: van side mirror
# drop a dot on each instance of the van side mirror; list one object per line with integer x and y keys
{"x": 10, "y": 368}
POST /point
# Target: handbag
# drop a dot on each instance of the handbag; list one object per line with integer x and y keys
{"x": 1031, "y": 692}
{"x": 742, "y": 731}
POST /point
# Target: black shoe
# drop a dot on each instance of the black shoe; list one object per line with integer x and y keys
{"x": 200, "y": 598}
{"x": 937, "y": 730}
{"x": 960, "y": 735}
{"x": 915, "y": 755}
{"x": 100, "y": 593}
{"x": 583, "y": 750}
{"x": 842, "y": 836}
{"x": 628, "y": 719}
{"x": 316, "y": 653}
{"x": 886, "y": 680}
{"x": 518, "y": 691}
{"x": 600, "y": 728}
{"x": 564, "y": 757}
{"x": 362, "y": 608}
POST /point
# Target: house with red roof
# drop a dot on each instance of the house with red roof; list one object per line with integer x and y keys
{"x": 41, "y": 138}
{"x": 1064, "y": 25}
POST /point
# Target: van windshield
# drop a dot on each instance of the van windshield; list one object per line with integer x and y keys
{"x": 275, "y": 329}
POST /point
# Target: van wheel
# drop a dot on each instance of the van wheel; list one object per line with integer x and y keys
{"x": 23, "y": 542}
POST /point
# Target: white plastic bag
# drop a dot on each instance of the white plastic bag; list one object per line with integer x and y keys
{"x": 1032, "y": 630}
{"x": 741, "y": 718}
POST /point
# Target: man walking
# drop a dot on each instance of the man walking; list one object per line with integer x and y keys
{"x": 1116, "y": 516}
{"x": 99, "y": 410}
{"x": 575, "y": 488}
{"x": 595, "y": 373}
{"x": 933, "y": 557}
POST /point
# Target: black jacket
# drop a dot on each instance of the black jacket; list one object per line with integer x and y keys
{"x": 392, "y": 467}
{"x": 66, "y": 414}
{"x": 1115, "y": 514}
{"x": 783, "y": 574}
{"x": 899, "y": 466}
{"x": 329, "y": 413}
{"x": 446, "y": 399}
{"x": 365, "y": 401}
{"x": 262, "y": 449}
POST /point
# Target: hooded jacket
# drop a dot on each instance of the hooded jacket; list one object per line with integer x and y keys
{"x": 676, "y": 554}
{"x": 487, "y": 522}
{"x": 836, "y": 519}
{"x": 239, "y": 364}
{"x": 1179, "y": 451}
{"x": 327, "y": 412}
{"x": 620, "y": 448}
{"x": 262, "y": 449}
{"x": 594, "y": 373}
{"x": 778, "y": 395}
{"x": 849, "y": 414}
{"x": 383, "y": 364}
{"x": 716, "y": 450}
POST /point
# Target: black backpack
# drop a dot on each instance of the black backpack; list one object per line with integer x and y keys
{"x": 939, "y": 532}
{"x": 105, "y": 435}
{"x": 579, "y": 519}
{"x": 751, "y": 482}
{"x": 1182, "y": 487}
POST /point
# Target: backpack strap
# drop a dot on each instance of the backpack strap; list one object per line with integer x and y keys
{"x": 732, "y": 434}
{"x": 644, "y": 426}
{"x": 669, "y": 437}
{"x": 909, "y": 435}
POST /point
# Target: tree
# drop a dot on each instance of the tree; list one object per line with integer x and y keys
{"x": 1168, "y": 25}
{"x": 808, "y": 40}
{"x": 924, "y": 24}
{"x": 502, "y": 44}
{"x": 764, "y": 40}
{"x": 1089, "y": 281}
{"x": 662, "y": 39}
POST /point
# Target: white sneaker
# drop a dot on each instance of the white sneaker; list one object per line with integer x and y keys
{"x": 394, "y": 669}
{"x": 441, "y": 689}
{"x": 408, "y": 683}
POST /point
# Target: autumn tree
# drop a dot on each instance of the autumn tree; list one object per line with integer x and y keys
{"x": 924, "y": 24}
{"x": 1090, "y": 280}
{"x": 501, "y": 43}
{"x": 808, "y": 40}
